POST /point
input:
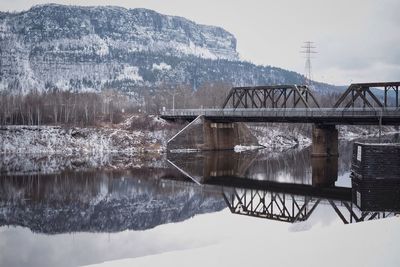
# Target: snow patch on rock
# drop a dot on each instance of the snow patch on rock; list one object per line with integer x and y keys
{"x": 162, "y": 66}
{"x": 277, "y": 138}
{"x": 240, "y": 148}
{"x": 130, "y": 73}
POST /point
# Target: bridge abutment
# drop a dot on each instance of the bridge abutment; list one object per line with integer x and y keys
{"x": 203, "y": 134}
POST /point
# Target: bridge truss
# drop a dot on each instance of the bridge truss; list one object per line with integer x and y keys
{"x": 361, "y": 95}
{"x": 361, "y": 104}
{"x": 276, "y": 96}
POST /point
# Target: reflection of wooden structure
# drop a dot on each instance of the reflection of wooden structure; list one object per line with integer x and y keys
{"x": 376, "y": 195}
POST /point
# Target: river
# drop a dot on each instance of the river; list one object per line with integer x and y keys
{"x": 64, "y": 216}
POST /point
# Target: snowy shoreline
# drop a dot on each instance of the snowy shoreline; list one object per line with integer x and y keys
{"x": 78, "y": 141}
{"x": 70, "y": 141}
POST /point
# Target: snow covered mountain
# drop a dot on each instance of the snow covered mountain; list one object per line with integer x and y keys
{"x": 95, "y": 48}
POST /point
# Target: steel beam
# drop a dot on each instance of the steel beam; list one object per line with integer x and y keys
{"x": 362, "y": 91}
{"x": 274, "y": 96}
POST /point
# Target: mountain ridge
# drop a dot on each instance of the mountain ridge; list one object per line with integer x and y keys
{"x": 107, "y": 47}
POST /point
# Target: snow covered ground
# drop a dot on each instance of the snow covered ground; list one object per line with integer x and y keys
{"x": 40, "y": 163}
{"x": 75, "y": 140}
{"x": 349, "y": 132}
{"x": 124, "y": 139}
{"x": 245, "y": 241}
{"x": 278, "y": 137}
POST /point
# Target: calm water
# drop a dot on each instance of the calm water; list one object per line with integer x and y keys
{"x": 79, "y": 213}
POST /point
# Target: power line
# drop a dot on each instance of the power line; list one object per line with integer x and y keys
{"x": 308, "y": 51}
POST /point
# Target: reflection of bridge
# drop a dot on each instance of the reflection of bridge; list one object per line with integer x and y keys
{"x": 292, "y": 208}
{"x": 292, "y": 203}
{"x": 228, "y": 167}
{"x": 270, "y": 205}
{"x": 215, "y": 129}
{"x": 293, "y": 200}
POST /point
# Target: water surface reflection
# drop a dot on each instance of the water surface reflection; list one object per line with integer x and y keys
{"x": 128, "y": 203}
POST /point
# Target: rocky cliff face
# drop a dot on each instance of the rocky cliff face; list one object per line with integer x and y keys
{"x": 98, "y": 30}
{"x": 70, "y": 46}
{"x": 95, "y": 48}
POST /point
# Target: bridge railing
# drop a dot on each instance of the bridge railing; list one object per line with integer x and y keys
{"x": 286, "y": 112}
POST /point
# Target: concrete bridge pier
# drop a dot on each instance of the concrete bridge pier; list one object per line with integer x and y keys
{"x": 324, "y": 156}
{"x": 203, "y": 134}
{"x": 324, "y": 141}
{"x": 220, "y": 136}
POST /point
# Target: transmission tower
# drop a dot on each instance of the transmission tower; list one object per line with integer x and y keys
{"x": 308, "y": 49}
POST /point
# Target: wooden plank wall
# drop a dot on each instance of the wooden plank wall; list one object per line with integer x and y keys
{"x": 376, "y": 161}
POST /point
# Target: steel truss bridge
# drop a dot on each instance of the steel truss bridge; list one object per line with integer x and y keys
{"x": 297, "y": 104}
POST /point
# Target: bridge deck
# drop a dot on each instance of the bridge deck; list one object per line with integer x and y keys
{"x": 360, "y": 116}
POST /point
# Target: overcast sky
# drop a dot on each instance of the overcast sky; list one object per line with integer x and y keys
{"x": 356, "y": 40}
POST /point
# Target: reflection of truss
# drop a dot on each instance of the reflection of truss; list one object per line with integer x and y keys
{"x": 270, "y": 205}
{"x": 291, "y": 208}
{"x": 355, "y": 215}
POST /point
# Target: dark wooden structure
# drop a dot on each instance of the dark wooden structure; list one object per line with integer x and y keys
{"x": 274, "y": 96}
{"x": 376, "y": 161}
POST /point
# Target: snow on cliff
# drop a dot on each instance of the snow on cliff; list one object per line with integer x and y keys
{"x": 59, "y": 45}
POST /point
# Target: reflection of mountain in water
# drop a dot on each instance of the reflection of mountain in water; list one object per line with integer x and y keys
{"x": 99, "y": 201}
